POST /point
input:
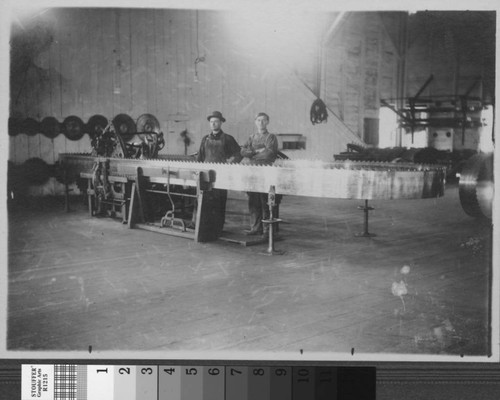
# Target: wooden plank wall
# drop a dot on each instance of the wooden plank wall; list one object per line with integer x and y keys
{"x": 456, "y": 49}
{"x": 362, "y": 68}
{"x": 456, "y": 52}
{"x": 180, "y": 65}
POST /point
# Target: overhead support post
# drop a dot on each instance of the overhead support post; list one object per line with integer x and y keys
{"x": 463, "y": 105}
{"x": 66, "y": 190}
{"x": 412, "y": 115}
{"x": 413, "y": 100}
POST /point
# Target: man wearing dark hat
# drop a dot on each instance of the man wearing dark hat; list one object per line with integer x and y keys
{"x": 218, "y": 147}
{"x": 261, "y": 148}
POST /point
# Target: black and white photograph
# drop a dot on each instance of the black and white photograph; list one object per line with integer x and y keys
{"x": 261, "y": 182}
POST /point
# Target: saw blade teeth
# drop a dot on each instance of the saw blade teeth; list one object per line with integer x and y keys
{"x": 285, "y": 164}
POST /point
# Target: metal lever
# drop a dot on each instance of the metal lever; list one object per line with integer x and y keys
{"x": 169, "y": 218}
{"x": 170, "y": 221}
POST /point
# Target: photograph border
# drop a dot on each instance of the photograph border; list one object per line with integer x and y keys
{"x": 392, "y": 372}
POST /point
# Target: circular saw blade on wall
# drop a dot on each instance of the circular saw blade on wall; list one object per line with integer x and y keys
{"x": 148, "y": 123}
{"x": 36, "y": 171}
{"x": 50, "y": 127}
{"x": 96, "y": 125}
{"x": 73, "y": 127}
{"x": 124, "y": 126}
{"x": 30, "y": 126}
{"x": 15, "y": 125}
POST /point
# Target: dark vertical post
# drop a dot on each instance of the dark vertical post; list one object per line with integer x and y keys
{"x": 366, "y": 209}
{"x": 66, "y": 190}
{"x": 271, "y": 202}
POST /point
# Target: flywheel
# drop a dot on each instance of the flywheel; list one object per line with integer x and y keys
{"x": 476, "y": 186}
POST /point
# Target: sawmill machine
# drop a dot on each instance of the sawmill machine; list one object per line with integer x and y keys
{"x": 121, "y": 138}
{"x": 124, "y": 139}
{"x": 140, "y": 178}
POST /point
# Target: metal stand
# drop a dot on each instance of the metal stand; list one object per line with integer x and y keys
{"x": 366, "y": 208}
{"x": 66, "y": 191}
{"x": 271, "y": 251}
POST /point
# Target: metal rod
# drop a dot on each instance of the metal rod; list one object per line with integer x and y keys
{"x": 173, "y": 193}
{"x": 429, "y": 80}
{"x": 270, "y": 222}
{"x": 66, "y": 191}
{"x": 391, "y": 107}
{"x": 366, "y": 218}
{"x": 366, "y": 209}
{"x": 270, "y": 248}
{"x": 471, "y": 87}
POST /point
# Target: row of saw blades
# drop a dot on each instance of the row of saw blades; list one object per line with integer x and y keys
{"x": 74, "y": 128}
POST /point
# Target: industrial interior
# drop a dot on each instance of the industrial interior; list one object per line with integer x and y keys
{"x": 380, "y": 200}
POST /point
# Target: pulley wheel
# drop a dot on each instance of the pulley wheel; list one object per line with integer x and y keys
{"x": 50, "y": 127}
{"x": 73, "y": 127}
{"x": 119, "y": 151}
{"x": 476, "y": 187}
{"x": 30, "y": 126}
{"x": 124, "y": 126}
{"x": 147, "y": 123}
{"x": 96, "y": 125}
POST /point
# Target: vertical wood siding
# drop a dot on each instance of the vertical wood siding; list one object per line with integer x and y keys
{"x": 180, "y": 65}
{"x": 362, "y": 69}
{"x": 452, "y": 53}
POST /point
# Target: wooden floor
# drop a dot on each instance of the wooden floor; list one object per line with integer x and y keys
{"x": 76, "y": 281}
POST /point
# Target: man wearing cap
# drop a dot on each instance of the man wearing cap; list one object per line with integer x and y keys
{"x": 261, "y": 148}
{"x": 217, "y": 147}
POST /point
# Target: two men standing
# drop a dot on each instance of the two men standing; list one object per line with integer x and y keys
{"x": 261, "y": 148}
